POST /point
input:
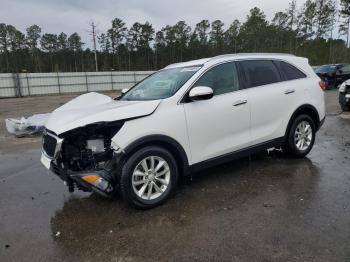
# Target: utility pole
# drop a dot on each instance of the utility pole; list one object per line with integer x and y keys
{"x": 347, "y": 37}
{"x": 93, "y": 33}
{"x": 332, "y": 28}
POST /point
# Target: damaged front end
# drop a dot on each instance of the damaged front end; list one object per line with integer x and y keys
{"x": 83, "y": 157}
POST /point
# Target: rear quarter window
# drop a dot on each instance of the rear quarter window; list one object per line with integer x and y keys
{"x": 289, "y": 71}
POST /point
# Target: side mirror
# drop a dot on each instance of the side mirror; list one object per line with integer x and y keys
{"x": 201, "y": 93}
{"x": 124, "y": 90}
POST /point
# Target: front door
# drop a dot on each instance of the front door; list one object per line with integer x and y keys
{"x": 221, "y": 124}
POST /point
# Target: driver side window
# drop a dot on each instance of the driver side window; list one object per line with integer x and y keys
{"x": 222, "y": 79}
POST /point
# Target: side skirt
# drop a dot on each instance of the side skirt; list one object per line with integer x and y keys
{"x": 236, "y": 155}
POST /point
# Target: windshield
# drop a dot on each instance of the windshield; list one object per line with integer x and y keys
{"x": 162, "y": 84}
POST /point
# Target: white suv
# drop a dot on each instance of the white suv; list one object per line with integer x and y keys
{"x": 183, "y": 118}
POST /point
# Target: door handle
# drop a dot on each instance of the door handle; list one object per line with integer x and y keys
{"x": 289, "y": 91}
{"x": 240, "y": 102}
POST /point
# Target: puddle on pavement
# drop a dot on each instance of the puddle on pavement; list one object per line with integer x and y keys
{"x": 212, "y": 198}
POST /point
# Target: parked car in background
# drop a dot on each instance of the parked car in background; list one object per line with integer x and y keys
{"x": 333, "y": 75}
{"x": 344, "y": 95}
{"x": 315, "y": 68}
{"x": 183, "y": 118}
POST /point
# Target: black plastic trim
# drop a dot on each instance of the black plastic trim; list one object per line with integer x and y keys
{"x": 297, "y": 112}
{"x": 236, "y": 155}
{"x": 243, "y": 83}
{"x": 202, "y": 97}
{"x": 321, "y": 123}
{"x": 159, "y": 139}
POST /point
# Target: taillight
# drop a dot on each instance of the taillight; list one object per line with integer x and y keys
{"x": 322, "y": 85}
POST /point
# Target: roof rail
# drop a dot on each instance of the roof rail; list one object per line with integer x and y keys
{"x": 252, "y": 54}
{"x": 286, "y": 54}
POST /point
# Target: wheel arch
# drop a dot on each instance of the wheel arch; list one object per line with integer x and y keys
{"x": 306, "y": 109}
{"x": 166, "y": 142}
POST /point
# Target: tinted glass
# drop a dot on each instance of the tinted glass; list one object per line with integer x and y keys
{"x": 222, "y": 79}
{"x": 290, "y": 72}
{"x": 261, "y": 72}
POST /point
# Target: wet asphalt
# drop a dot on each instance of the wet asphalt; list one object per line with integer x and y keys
{"x": 263, "y": 208}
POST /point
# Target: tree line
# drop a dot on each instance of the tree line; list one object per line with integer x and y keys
{"x": 318, "y": 30}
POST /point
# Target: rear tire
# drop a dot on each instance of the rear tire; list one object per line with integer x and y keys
{"x": 148, "y": 177}
{"x": 300, "y": 137}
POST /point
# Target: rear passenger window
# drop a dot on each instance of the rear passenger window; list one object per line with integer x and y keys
{"x": 260, "y": 72}
{"x": 290, "y": 72}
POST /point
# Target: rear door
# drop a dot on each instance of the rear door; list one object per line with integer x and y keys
{"x": 221, "y": 124}
{"x": 273, "y": 96}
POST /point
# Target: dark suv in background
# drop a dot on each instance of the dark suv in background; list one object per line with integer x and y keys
{"x": 334, "y": 75}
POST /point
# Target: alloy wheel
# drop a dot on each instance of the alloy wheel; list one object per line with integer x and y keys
{"x": 151, "y": 177}
{"x": 303, "y": 136}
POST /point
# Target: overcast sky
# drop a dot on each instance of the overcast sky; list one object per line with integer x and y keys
{"x": 55, "y": 16}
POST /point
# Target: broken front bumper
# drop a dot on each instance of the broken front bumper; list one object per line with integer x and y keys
{"x": 98, "y": 181}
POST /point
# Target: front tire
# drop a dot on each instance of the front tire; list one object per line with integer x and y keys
{"x": 300, "y": 137}
{"x": 148, "y": 177}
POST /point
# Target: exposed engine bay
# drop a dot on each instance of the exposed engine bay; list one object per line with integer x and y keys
{"x": 83, "y": 157}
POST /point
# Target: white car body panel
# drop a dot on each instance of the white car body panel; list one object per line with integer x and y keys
{"x": 270, "y": 106}
{"x": 168, "y": 120}
{"x": 217, "y": 127}
{"x": 205, "y": 129}
{"x": 92, "y": 108}
{"x": 270, "y": 111}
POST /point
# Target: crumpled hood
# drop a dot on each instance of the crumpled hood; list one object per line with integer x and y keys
{"x": 92, "y": 108}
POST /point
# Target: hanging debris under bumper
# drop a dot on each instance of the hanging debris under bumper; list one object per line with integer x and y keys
{"x": 83, "y": 158}
{"x": 99, "y": 181}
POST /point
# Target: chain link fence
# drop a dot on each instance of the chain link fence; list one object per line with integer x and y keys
{"x": 33, "y": 84}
